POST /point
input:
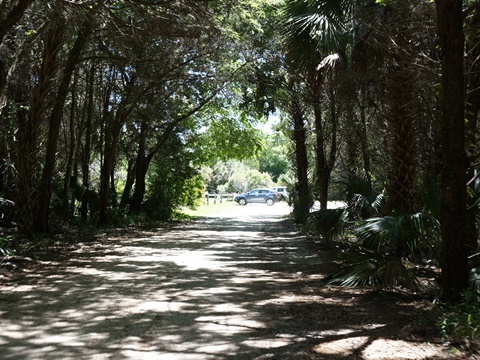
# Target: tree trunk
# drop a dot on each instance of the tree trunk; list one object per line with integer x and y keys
{"x": 87, "y": 148}
{"x": 363, "y": 138}
{"x": 324, "y": 162}
{"x": 320, "y": 168}
{"x": 125, "y": 200}
{"x": 401, "y": 99}
{"x": 28, "y": 133}
{"x": 141, "y": 166}
{"x": 144, "y": 160}
{"x": 113, "y": 129}
{"x": 14, "y": 15}
{"x": 454, "y": 166}
{"x": 112, "y": 137}
{"x": 71, "y": 154}
{"x": 44, "y": 188}
{"x": 302, "y": 199}
{"x": 402, "y": 194}
{"x": 472, "y": 107}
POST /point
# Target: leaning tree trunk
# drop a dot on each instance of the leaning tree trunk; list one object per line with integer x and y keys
{"x": 13, "y": 17}
{"x": 44, "y": 188}
{"x": 28, "y": 133}
{"x": 453, "y": 174}
{"x": 127, "y": 189}
{"x": 7, "y": 22}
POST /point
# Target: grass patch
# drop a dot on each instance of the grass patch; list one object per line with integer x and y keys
{"x": 210, "y": 210}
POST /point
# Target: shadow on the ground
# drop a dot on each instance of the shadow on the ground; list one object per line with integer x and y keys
{"x": 217, "y": 288}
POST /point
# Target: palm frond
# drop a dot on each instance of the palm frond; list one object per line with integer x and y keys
{"x": 330, "y": 61}
{"x": 366, "y": 267}
{"x": 367, "y": 205}
{"x": 361, "y": 268}
{"x": 401, "y": 234}
{"x": 313, "y": 27}
{"x": 328, "y": 222}
{"x": 378, "y": 203}
{"x": 373, "y": 233}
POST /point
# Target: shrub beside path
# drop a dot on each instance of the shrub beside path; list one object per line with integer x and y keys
{"x": 241, "y": 285}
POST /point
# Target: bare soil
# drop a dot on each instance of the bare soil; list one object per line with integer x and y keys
{"x": 242, "y": 285}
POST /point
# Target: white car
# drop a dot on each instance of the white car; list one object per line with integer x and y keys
{"x": 282, "y": 190}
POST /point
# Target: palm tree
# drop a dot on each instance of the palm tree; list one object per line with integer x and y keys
{"x": 315, "y": 30}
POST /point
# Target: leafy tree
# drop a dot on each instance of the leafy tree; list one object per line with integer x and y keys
{"x": 244, "y": 179}
{"x": 173, "y": 183}
{"x": 274, "y": 158}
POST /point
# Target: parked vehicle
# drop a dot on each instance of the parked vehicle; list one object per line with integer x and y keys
{"x": 258, "y": 196}
{"x": 282, "y": 190}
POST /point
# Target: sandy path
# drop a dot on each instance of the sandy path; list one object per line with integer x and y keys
{"x": 242, "y": 286}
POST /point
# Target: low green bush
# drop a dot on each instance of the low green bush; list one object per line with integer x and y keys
{"x": 459, "y": 324}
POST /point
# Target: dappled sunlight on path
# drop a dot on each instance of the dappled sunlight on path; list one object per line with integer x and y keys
{"x": 217, "y": 288}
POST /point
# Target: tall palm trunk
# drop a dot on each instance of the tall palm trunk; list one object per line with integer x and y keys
{"x": 402, "y": 194}
{"x": 325, "y": 160}
{"x": 453, "y": 175}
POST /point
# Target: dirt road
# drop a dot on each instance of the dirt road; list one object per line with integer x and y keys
{"x": 241, "y": 286}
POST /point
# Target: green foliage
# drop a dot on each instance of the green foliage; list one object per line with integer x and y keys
{"x": 314, "y": 28}
{"x": 367, "y": 267}
{"x": 6, "y": 247}
{"x": 366, "y": 206}
{"x": 460, "y": 322}
{"x": 7, "y": 211}
{"x": 173, "y": 183}
{"x": 273, "y": 159}
{"x": 364, "y": 202}
{"x": 401, "y": 235}
{"x": 244, "y": 180}
{"x": 328, "y": 222}
{"x": 387, "y": 246}
{"x": 229, "y": 135}
{"x": 122, "y": 217}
